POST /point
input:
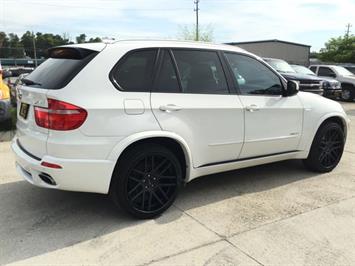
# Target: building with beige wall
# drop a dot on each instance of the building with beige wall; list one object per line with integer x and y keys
{"x": 293, "y": 53}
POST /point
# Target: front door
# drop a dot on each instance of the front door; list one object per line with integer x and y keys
{"x": 273, "y": 123}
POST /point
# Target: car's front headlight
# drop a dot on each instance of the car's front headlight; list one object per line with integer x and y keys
{"x": 326, "y": 85}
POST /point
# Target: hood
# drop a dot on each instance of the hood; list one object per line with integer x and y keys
{"x": 350, "y": 79}
{"x": 299, "y": 76}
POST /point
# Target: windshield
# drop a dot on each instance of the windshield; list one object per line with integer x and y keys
{"x": 303, "y": 70}
{"x": 343, "y": 71}
{"x": 280, "y": 65}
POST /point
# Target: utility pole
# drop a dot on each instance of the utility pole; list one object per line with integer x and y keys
{"x": 34, "y": 48}
{"x": 196, "y": 11}
{"x": 348, "y": 26}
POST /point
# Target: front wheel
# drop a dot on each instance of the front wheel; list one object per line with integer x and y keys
{"x": 327, "y": 148}
{"x": 347, "y": 93}
{"x": 146, "y": 180}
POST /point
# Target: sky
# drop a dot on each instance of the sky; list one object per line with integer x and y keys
{"x": 310, "y": 22}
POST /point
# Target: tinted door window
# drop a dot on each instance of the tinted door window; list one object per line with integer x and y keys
{"x": 326, "y": 72}
{"x": 200, "y": 72}
{"x": 167, "y": 79}
{"x": 314, "y": 69}
{"x": 253, "y": 77}
{"x": 134, "y": 71}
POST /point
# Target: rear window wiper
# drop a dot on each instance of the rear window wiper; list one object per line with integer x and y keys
{"x": 31, "y": 82}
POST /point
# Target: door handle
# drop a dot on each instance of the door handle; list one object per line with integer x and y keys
{"x": 252, "y": 108}
{"x": 169, "y": 108}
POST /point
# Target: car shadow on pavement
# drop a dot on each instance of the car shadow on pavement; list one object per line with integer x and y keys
{"x": 36, "y": 221}
{"x": 221, "y": 186}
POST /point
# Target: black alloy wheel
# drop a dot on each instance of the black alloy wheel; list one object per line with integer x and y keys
{"x": 331, "y": 147}
{"x": 327, "y": 148}
{"x": 147, "y": 181}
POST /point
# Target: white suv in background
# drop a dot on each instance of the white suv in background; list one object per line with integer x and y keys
{"x": 341, "y": 74}
{"x": 137, "y": 119}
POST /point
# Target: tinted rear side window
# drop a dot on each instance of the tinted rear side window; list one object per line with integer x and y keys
{"x": 201, "y": 72}
{"x": 167, "y": 80}
{"x": 134, "y": 71}
{"x": 55, "y": 73}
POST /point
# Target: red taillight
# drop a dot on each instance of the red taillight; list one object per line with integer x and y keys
{"x": 51, "y": 165}
{"x": 60, "y": 115}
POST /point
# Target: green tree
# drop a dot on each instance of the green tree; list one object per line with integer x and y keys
{"x": 4, "y": 44}
{"x": 81, "y": 38}
{"x": 96, "y": 39}
{"x": 205, "y": 33}
{"x": 339, "y": 50}
{"x": 16, "y": 46}
{"x": 27, "y": 43}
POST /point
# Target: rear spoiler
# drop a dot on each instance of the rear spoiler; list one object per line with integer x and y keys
{"x": 70, "y": 52}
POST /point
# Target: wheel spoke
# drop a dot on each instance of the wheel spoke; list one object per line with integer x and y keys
{"x": 146, "y": 164}
{"x": 137, "y": 195}
{"x": 166, "y": 177}
{"x": 143, "y": 199}
{"x": 150, "y": 201}
{"x": 165, "y": 168}
{"x": 163, "y": 192}
{"x": 160, "y": 164}
{"x": 157, "y": 198}
{"x": 134, "y": 179}
{"x": 322, "y": 156}
{"x": 133, "y": 189}
{"x": 138, "y": 172}
{"x": 167, "y": 185}
{"x": 332, "y": 157}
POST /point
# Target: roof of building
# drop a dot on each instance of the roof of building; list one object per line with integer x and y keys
{"x": 264, "y": 41}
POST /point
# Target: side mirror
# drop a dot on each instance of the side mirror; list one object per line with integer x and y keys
{"x": 292, "y": 88}
{"x": 332, "y": 75}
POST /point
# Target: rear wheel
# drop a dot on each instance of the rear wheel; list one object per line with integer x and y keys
{"x": 347, "y": 93}
{"x": 327, "y": 148}
{"x": 146, "y": 181}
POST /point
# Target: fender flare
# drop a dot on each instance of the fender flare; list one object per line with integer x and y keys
{"x": 321, "y": 120}
{"x": 126, "y": 142}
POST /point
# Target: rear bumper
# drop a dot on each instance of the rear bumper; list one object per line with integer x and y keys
{"x": 75, "y": 175}
{"x": 5, "y": 106}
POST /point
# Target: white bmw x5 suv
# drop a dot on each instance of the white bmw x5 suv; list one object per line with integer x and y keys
{"x": 137, "y": 119}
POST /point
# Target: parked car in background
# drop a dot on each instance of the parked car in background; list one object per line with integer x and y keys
{"x": 350, "y": 67}
{"x": 14, "y": 87}
{"x": 306, "y": 82}
{"x": 331, "y": 87}
{"x": 344, "y": 76}
{"x": 5, "y": 105}
{"x": 17, "y": 71}
{"x": 166, "y": 112}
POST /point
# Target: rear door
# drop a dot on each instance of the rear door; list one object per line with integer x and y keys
{"x": 53, "y": 74}
{"x": 191, "y": 98}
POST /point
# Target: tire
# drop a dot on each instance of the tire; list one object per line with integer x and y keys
{"x": 347, "y": 93}
{"x": 327, "y": 148}
{"x": 146, "y": 180}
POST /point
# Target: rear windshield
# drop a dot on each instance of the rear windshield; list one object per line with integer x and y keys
{"x": 58, "y": 70}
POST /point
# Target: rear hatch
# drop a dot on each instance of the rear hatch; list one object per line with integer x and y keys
{"x": 63, "y": 64}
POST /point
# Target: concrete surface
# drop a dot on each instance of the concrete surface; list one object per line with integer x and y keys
{"x": 276, "y": 214}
